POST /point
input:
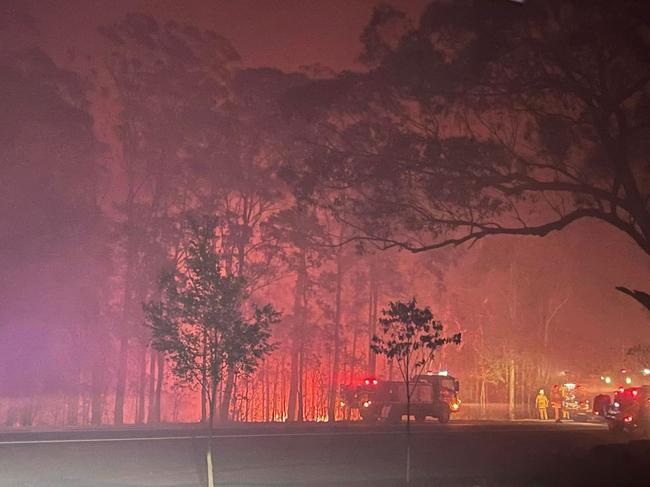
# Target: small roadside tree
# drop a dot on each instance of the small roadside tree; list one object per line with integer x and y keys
{"x": 410, "y": 338}
{"x": 200, "y": 323}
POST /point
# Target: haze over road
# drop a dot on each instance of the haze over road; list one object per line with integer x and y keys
{"x": 458, "y": 454}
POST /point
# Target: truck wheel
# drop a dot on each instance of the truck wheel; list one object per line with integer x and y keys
{"x": 444, "y": 418}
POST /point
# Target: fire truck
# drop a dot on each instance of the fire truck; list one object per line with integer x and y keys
{"x": 435, "y": 396}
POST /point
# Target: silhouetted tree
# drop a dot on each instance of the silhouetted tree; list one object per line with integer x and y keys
{"x": 200, "y": 324}
{"x": 410, "y": 337}
{"x": 168, "y": 82}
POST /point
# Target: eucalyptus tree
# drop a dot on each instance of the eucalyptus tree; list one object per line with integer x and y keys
{"x": 168, "y": 82}
{"x": 488, "y": 118}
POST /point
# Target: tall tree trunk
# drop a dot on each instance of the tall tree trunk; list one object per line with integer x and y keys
{"x": 511, "y": 389}
{"x": 284, "y": 409}
{"x": 74, "y": 395}
{"x": 120, "y": 388}
{"x": 204, "y": 406}
{"x": 85, "y": 410}
{"x": 267, "y": 385}
{"x": 151, "y": 386}
{"x": 292, "y": 413}
{"x": 315, "y": 400}
{"x": 247, "y": 399}
{"x": 301, "y": 387}
{"x": 372, "y": 315}
{"x": 275, "y": 390}
{"x": 297, "y": 339}
{"x": 345, "y": 362}
{"x": 235, "y": 404}
{"x": 160, "y": 380}
{"x": 204, "y": 378}
{"x": 142, "y": 386}
{"x": 97, "y": 401}
{"x": 127, "y": 298}
{"x": 334, "y": 382}
{"x": 482, "y": 398}
{"x": 72, "y": 416}
{"x": 353, "y": 355}
{"x": 123, "y": 353}
{"x": 224, "y": 414}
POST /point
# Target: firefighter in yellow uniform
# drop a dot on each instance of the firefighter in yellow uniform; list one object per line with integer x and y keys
{"x": 541, "y": 403}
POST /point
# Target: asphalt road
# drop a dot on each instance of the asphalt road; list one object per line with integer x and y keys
{"x": 458, "y": 454}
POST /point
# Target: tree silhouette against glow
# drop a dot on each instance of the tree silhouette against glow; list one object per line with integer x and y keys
{"x": 410, "y": 338}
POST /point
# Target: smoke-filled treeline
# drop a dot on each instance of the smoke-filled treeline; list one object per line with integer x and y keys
{"x": 99, "y": 168}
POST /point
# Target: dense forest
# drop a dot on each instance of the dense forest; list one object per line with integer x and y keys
{"x": 426, "y": 171}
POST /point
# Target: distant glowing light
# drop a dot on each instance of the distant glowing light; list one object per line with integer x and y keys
{"x": 646, "y": 371}
{"x": 342, "y": 403}
{"x": 367, "y": 404}
{"x": 608, "y": 380}
{"x": 454, "y": 406}
{"x": 443, "y": 372}
{"x": 617, "y": 404}
{"x": 374, "y": 382}
{"x": 628, "y": 380}
{"x": 627, "y": 419}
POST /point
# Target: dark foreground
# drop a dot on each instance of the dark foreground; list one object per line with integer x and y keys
{"x": 454, "y": 455}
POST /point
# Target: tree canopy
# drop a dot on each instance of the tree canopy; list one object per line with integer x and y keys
{"x": 488, "y": 118}
{"x": 200, "y": 322}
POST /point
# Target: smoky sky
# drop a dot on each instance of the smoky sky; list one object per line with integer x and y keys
{"x": 281, "y": 33}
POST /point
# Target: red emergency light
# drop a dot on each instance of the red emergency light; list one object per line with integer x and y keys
{"x": 370, "y": 381}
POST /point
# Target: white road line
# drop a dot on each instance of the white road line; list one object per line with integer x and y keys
{"x": 199, "y": 437}
{"x": 269, "y": 435}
